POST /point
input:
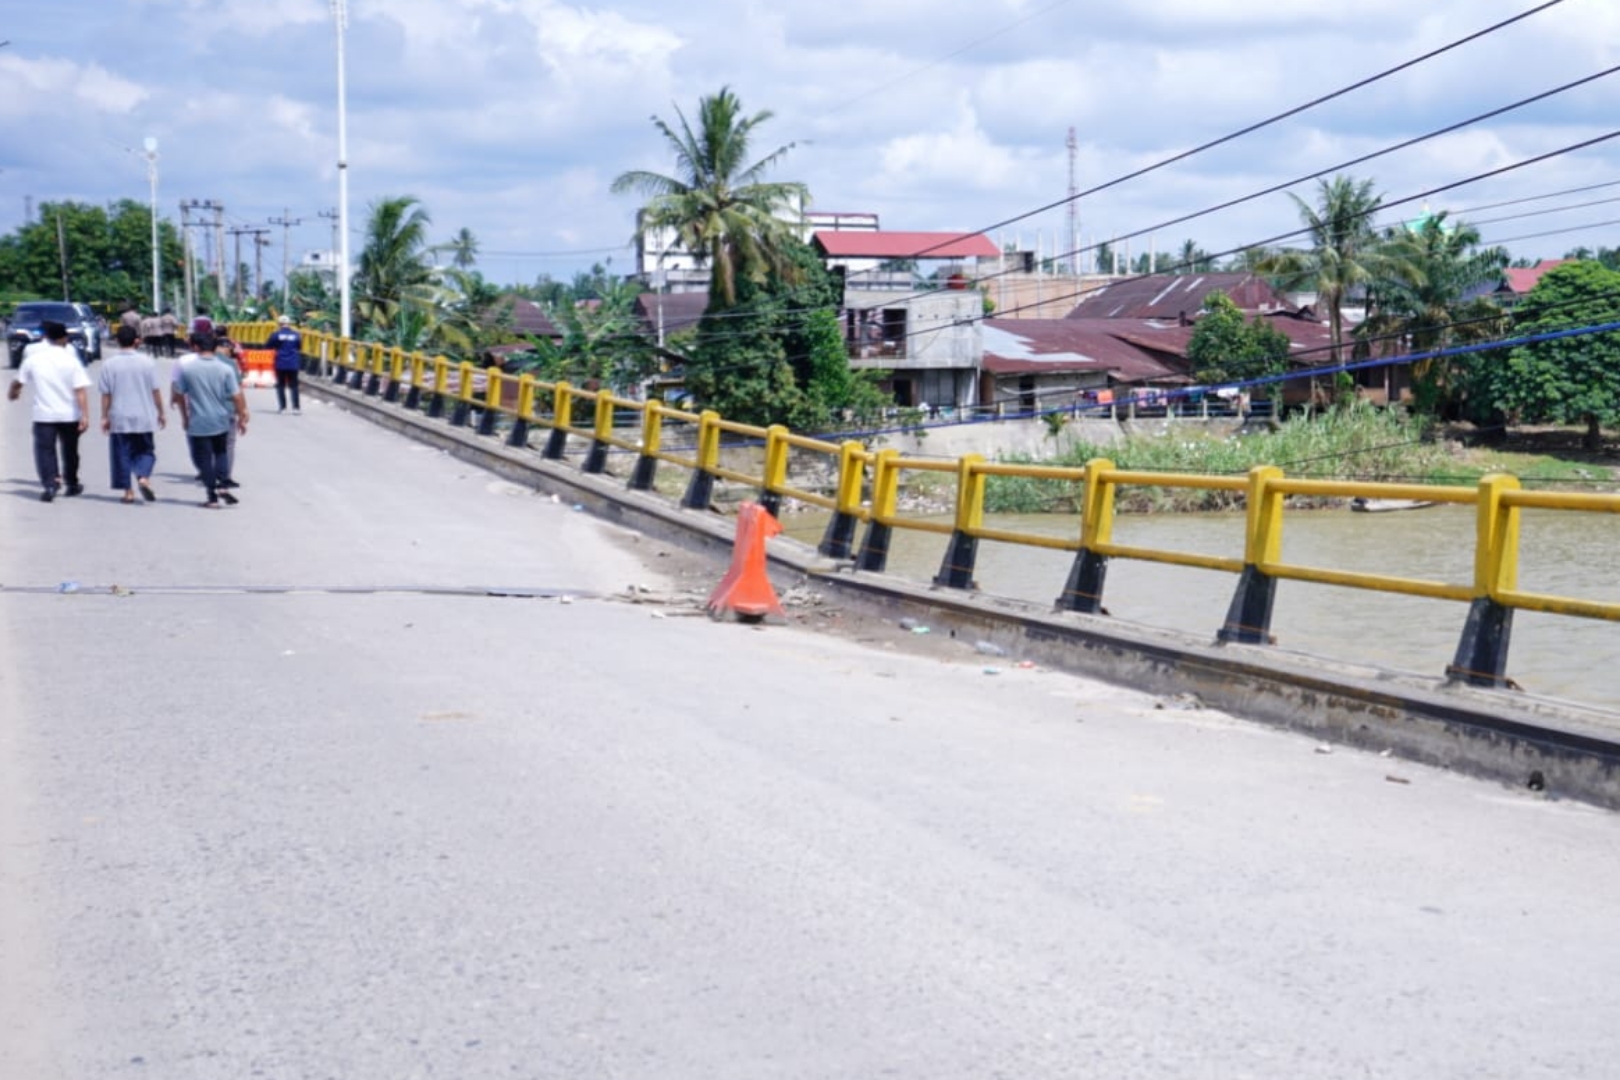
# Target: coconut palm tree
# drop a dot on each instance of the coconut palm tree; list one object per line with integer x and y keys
{"x": 1432, "y": 267}
{"x": 718, "y": 205}
{"x": 393, "y": 262}
{"x": 462, "y": 249}
{"x": 1345, "y": 255}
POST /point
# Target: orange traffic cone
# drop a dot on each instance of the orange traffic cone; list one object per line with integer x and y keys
{"x": 746, "y": 589}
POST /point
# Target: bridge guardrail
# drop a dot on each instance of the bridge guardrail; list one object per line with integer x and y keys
{"x": 868, "y": 484}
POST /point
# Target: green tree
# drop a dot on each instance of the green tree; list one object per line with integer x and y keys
{"x": 1191, "y": 259}
{"x": 719, "y": 206}
{"x": 109, "y": 254}
{"x": 1225, "y": 347}
{"x": 1565, "y": 380}
{"x": 393, "y": 261}
{"x": 1418, "y": 304}
{"x": 1345, "y": 254}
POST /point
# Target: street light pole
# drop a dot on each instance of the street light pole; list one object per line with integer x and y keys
{"x": 340, "y": 10}
{"x": 151, "y": 155}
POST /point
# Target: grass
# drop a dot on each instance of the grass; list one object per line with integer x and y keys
{"x": 1359, "y": 443}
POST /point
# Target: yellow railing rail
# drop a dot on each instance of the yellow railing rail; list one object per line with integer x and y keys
{"x": 866, "y": 485}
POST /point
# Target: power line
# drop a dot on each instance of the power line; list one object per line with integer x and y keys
{"x": 1277, "y": 118}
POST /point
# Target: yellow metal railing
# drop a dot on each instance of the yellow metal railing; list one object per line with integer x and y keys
{"x": 867, "y": 485}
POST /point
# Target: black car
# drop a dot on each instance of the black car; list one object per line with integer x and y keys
{"x": 84, "y": 329}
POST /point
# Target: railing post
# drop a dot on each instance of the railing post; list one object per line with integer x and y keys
{"x": 441, "y": 383}
{"x": 463, "y": 409}
{"x": 956, "y": 569}
{"x": 601, "y": 432}
{"x": 776, "y": 469}
{"x": 519, "y": 435}
{"x": 396, "y": 374}
{"x": 839, "y": 539}
{"x": 344, "y": 350}
{"x": 357, "y": 377}
{"x": 374, "y": 371}
{"x": 652, "y": 438}
{"x": 494, "y": 390}
{"x": 700, "y": 488}
{"x": 1483, "y": 650}
{"x": 1083, "y": 592}
{"x": 562, "y": 418}
{"x": 413, "y": 396}
{"x": 874, "y": 554}
{"x": 1248, "y": 619}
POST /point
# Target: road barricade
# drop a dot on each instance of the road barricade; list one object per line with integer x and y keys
{"x": 258, "y": 367}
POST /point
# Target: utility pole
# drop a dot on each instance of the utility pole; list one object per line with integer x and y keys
{"x": 286, "y": 221}
{"x": 256, "y": 232}
{"x": 259, "y": 244}
{"x": 1074, "y": 208}
{"x": 61, "y": 251}
{"x": 187, "y": 205}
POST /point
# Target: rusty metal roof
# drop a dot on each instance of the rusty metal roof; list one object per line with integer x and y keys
{"x": 1065, "y": 346}
{"x": 680, "y": 310}
{"x": 1173, "y": 296}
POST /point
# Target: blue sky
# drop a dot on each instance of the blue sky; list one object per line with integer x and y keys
{"x": 511, "y": 117}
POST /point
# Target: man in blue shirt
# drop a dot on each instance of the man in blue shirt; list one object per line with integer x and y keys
{"x": 289, "y": 346}
{"x": 205, "y": 391}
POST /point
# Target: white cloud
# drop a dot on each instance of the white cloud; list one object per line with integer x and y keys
{"x": 52, "y": 85}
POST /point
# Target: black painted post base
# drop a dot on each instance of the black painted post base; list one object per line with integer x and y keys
{"x": 699, "y": 491}
{"x": 556, "y": 443}
{"x": 486, "y": 422}
{"x": 435, "y": 407}
{"x": 460, "y": 414}
{"x": 392, "y": 393}
{"x": 413, "y": 398}
{"x": 641, "y": 478}
{"x": 339, "y": 374}
{"x": 519, "y": 435}
{"x": 357, "y": 379}
{"x": 839, "y": 539}
{"x": 596, "y": 457}
{"x": 373, "y": 385}
{"x": 1083, "y": 592}
{"x": 956, "y": 569}
{"x": 1482, "y": 653}
{"x": 772, "y": 502}
{"x": 1248, "y": 620}
{"x": 875, "y": 548}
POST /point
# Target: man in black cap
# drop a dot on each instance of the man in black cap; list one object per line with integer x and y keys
{"x": 61, "y": 407}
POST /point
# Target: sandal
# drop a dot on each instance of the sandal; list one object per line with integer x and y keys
{"x": 128, "y": 499}
{"x": 146, "y": 491}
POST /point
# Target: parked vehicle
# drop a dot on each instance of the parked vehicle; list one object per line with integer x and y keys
{"x": 84, "y": 328}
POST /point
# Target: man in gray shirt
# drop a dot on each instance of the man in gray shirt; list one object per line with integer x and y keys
{"x": 131, "y": 410}
{"x": 205, "y": 391}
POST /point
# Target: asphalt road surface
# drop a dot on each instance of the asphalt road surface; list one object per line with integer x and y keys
{"x": 374, "y": 835}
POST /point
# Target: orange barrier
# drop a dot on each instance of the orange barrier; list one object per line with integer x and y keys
{"x": 258, "y": 367}
{"x": 746, "y": 589}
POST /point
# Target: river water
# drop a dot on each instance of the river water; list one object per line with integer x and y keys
{"x": 1568, "y": 554}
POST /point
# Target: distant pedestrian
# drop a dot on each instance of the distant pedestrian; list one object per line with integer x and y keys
{"x": 209, "y": 395}
{"x": 168, "y": 324}
{"x": 130, "y": 318}
{"x": 61, "y": 408}
{"x": 131, "y": 411}
{"x": 152, "y": 334}
{"x": 289, "y": 346}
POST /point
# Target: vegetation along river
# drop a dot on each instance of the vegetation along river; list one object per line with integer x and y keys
{"x": 1567, "y": 554}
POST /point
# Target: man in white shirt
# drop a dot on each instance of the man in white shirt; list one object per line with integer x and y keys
{"x": 61, "y": 407}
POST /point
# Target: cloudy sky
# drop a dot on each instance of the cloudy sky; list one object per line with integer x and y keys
{"x": 512, "y": 117}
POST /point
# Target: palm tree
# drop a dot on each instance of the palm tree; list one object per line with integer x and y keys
{"x": 393, "y": 265}
{"x": 1433, "y": 266}
{"x": 1345, "y": 254}
{"x": 720, "y": 208}
{"x": 462, "y": 249}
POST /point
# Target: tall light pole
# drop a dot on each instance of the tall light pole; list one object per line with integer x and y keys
{"x": 151, "y": 156}
{"x": 340, "y": 10}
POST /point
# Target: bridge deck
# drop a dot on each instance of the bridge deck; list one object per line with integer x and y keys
{"x": 412, "y": 832}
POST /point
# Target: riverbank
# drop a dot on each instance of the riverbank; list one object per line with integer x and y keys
{"x": 1360, "y": 443}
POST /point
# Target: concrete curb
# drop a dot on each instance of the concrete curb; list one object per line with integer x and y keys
{"x": 1559, "y": 748}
